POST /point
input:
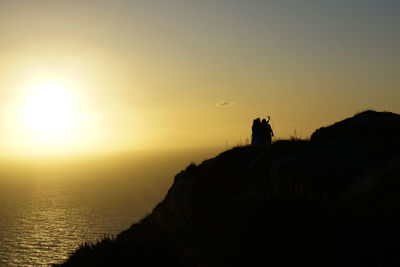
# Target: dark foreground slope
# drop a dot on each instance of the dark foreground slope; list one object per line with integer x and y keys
{"x": 330, "y": 201}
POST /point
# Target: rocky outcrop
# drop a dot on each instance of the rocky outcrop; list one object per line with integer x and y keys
{"x": 366, "y": 127}
{"x": 330, "y": 201}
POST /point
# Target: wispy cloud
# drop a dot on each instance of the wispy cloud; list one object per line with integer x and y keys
{"x": 225, "y": 104}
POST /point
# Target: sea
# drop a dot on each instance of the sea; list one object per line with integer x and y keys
{"x": 49, "y": 205}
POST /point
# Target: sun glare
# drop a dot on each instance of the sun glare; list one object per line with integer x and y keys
{"x": 49, "y": 111}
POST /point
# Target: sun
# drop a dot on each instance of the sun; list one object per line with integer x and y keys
{"x": 49, "y": 111}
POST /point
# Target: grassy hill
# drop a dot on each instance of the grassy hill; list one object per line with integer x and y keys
{"x": 333, "y": 200}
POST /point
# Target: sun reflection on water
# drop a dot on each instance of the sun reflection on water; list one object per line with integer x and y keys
{"x": 44, "y": 222}
{"x": 46, "y": 212}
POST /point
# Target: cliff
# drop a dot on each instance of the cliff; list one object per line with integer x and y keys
{"x": 333, "y": 200}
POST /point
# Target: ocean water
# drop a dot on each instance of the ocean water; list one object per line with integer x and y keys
{"x": 48, "y": 206}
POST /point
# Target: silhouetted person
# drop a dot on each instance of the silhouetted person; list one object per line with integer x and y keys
{"x": 256, "y": 136}
{"x": 267, "y": 131}
{"x": 261, "y": 133}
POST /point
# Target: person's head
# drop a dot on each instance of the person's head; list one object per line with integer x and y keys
{"x": 256, "y": 123}
{"x": 264, "y": 121}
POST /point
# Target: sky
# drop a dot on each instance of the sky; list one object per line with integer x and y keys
{"x": 177, "y": 74}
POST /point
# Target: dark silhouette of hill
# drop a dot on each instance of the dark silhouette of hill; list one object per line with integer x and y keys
{"x": 331, "y": 201}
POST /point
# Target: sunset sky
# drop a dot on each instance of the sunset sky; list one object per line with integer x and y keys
{"x": 96, "y": 75}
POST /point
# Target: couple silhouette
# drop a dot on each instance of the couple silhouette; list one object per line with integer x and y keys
{"x": 261, "y": 132}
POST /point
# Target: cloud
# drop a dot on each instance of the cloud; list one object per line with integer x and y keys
{"x": 225, "y": 104}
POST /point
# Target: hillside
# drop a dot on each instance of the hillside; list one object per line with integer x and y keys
{"x": 333, "y": 200}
